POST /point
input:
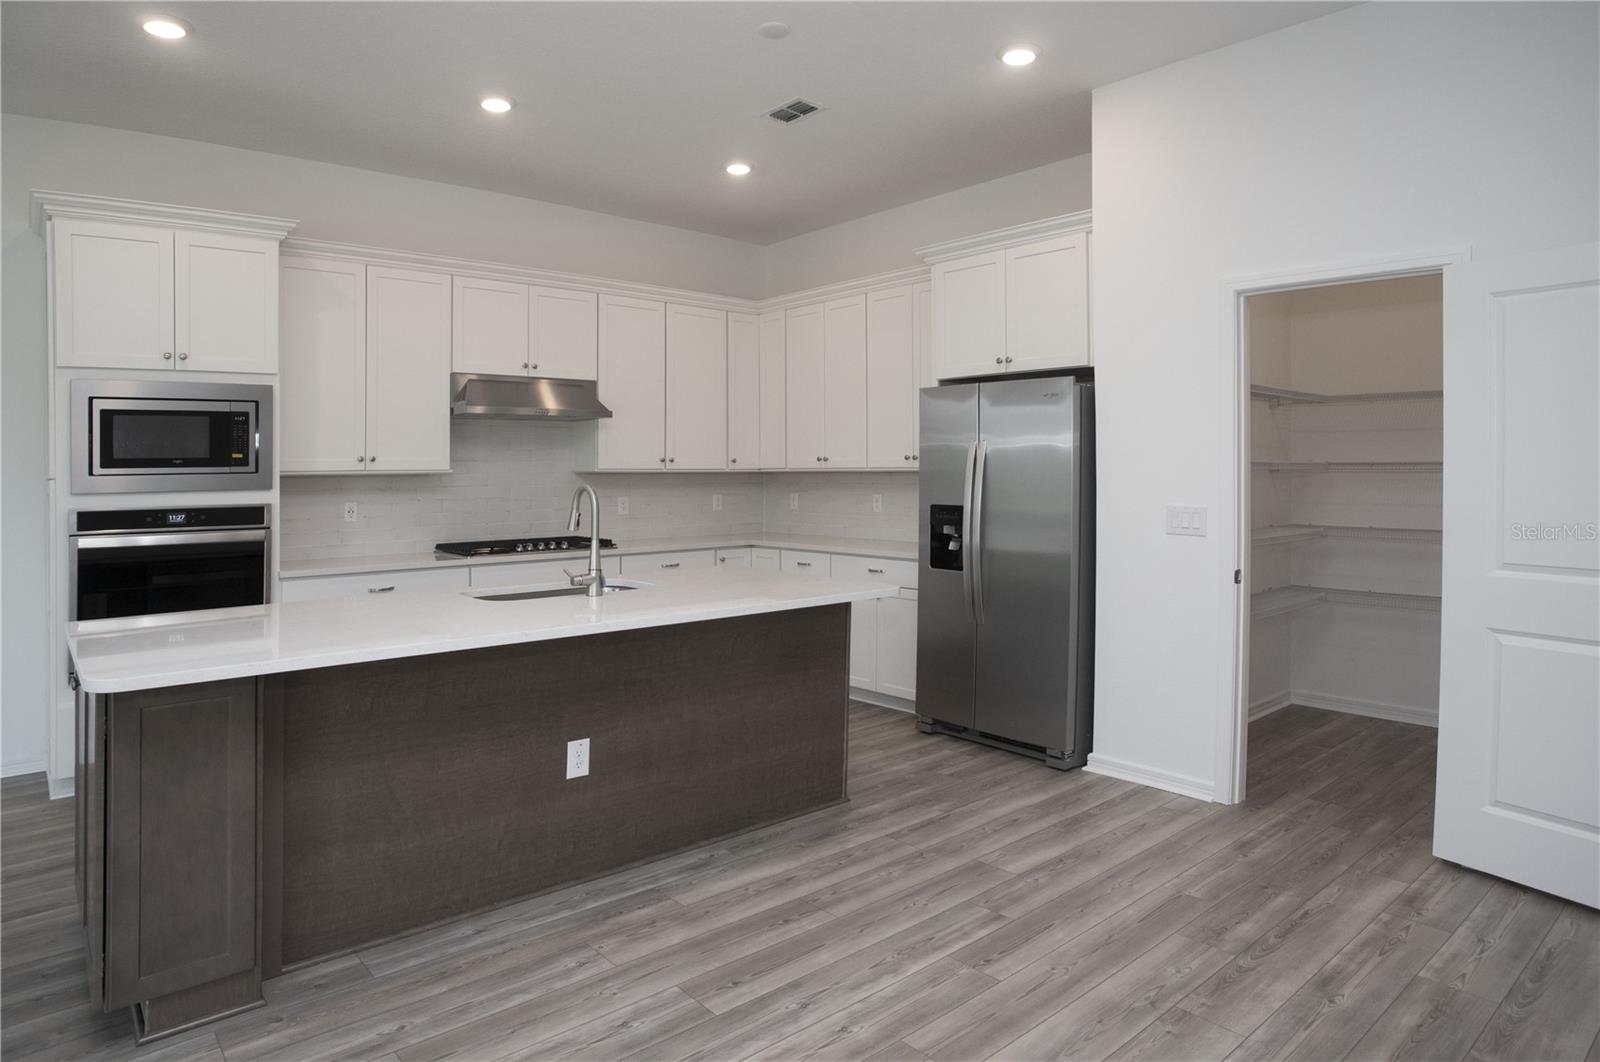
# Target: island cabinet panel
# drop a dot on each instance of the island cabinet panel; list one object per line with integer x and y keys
{"x": 420, "y": 789}
{"x": 181, "y": 868}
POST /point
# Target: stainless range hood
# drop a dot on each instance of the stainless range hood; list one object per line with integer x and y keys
{"x": 479, "y": 395}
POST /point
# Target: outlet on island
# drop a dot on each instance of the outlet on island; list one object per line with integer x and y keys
{"x": 578, "y": 758}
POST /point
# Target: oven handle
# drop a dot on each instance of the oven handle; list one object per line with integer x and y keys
{"x": 169, "y": 538}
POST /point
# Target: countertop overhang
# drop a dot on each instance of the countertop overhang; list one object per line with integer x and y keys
{"x": 179, "y": 649}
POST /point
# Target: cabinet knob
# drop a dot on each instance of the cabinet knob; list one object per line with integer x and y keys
{"x": 907, "y": 457}
{"x": 733, "y": 460}
{"x": 916, "y": 457}
{"x": 524, "y": 365}
{"x": 183, "y": 357}
{"x": 167, "y": 354}
{"x": 999, "y": 361}
{"x": 373, "y": 459}
{"x": 535, "y": 365}
{"x": 825, "y": 459}
{"x": 1008, "y": 359}
{"x": 672, "y": 460}
{"x": 361, "y": 460}
{"x": 663, "y": 460}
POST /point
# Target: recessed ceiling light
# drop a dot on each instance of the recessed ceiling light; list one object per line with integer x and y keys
{"x": 1019, "y": 55}
{"x": 738, "y": 169}
{"x": 168, "y": 29}
{"x": 774, "y": 31}
{"x": 495, "y": 104}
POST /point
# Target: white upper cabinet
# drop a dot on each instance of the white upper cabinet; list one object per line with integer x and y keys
{"x": 633, "y": 376}
{"x": 322, "y": 383}
{"x": 1047, "y": 304}
{"x": 490, "y": 327}
{"x": 922, "y": 322}
{"x": 744, "y": 391}
{"x": 563, "y": 328}
{"x": 1012, "y": 301}
{"x": 891, "y": 378}
{"x": 803, "y": 346}
{"x": 774, "y": 412}
{"x": 226, "y": 302}
{"x": 142, "y": 297}
{"x": 408, "y": 371}
{"x": 969, "y": 308}
{"x": 697, "y": 388}
{"x": 845, "y": 383}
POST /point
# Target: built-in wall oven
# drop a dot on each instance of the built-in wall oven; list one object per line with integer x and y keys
{"x": 156, "y": 435}
{"x": 137, "y": 562}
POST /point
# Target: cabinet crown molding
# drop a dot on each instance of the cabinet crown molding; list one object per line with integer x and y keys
{"x": 841, "y": 289}
{"x": 45, "y": 206}
{"x": 1027, "y": 232}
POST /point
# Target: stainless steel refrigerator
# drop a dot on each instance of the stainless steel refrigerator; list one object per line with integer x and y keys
{"x": 1005, "y": 626}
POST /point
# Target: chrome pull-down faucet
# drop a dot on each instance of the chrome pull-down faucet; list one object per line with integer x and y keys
{"x": 594, "y": 579}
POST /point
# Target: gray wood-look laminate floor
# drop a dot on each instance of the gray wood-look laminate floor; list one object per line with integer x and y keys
{"x": 966, "y": 904}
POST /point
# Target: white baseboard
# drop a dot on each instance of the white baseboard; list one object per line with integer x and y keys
{"x": 16, "y": 767}
{"x": 883, "y": 700}
{"x": 1182, "y": 784}
{"x": 61, "y": 788}
{"x": 1399, "y": 713}
{"x": 1267, "y": 705}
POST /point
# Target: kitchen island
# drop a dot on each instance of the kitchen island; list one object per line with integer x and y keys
{"x": 263, "y": 787}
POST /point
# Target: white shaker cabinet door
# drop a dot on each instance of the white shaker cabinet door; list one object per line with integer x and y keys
{"x": 891, "y": 378}
{"x": 226, "y": 302}
{"x": 897, "y": 645}
{"x": 969, "y": 316}
{"x": 565, "y": 324}
{"x": 697, "y": 388}
{"x": 408, "y": 371}
{"x": 1047, "y": 304}
{"x": 804, "y": 388}
{"x": 774, "y": 389}
{"x": 113, "y": 295}
{"x": 923, "y": 321}
{"x": 844, "y": 383}
{"x": 633, "y": 370}
{"x": 864, "y": 645}
{"x": 322, "y": 372}
{"x": 490, "y": 327}
{"x": 744, "y": 391}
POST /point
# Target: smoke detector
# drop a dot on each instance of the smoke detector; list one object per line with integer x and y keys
{"x": 793, "y": 111}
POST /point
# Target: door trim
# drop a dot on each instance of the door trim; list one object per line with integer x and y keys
{"x": 1233, "y": 517}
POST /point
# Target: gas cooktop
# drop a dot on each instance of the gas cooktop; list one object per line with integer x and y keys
{"x": 538, "y": 544}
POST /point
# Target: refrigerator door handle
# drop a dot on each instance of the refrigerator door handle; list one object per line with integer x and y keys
{"x": 966, "y": 531}
{"x": 975, "y": 538}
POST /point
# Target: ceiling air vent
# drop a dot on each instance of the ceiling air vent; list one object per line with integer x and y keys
{"x": 793, "y": 111}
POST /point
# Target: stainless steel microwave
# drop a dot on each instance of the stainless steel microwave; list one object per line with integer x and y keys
{"x": 151, "y": 435}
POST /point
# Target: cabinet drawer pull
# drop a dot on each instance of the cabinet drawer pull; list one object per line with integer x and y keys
{"x": 379, "y": 589}
{"x": 875, "y": 571}
{"x": 674, "y": 564}
{"x": 802, "y": 564}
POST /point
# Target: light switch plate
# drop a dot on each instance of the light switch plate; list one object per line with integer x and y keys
{"x": 1186, "y": 520}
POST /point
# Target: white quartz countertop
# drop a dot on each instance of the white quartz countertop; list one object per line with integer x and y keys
{"x": 177, "y": 649}
{"x": 863, "y": 547}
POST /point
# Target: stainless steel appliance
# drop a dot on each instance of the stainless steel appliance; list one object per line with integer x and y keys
{"x": 136, "y": 562}
{"x": 159, "y": 435}
{"x": 1005, "y": 627}
{"x": 531, "y": 544}
{"x": 480, "y": 395}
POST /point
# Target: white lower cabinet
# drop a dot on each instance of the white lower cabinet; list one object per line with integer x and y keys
{"x": 897, "y": 645}
{"x": 733, "y": 558}
{"x": 643, "y": 565}
{"x": 316, "y": 588}
{"x": 864, "y": 645}
{"x": 529, "y": 573}
{"x": 804, "y": 562}
{"x": 766, "y": 560}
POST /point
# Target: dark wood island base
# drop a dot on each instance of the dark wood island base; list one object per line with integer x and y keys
{"x": 232, "y": 830}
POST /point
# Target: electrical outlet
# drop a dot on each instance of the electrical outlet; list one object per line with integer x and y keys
{"x": 794, "y": 501}
{"x": 1186, "y": 520}
{"x": 578, "y": 758}
{"x": 716, "y": 503}
{"x": 622, "y": 505}
{"x": 877, "y": 503}
{"x": 349, "y": 512}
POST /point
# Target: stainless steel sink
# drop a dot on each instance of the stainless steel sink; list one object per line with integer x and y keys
{"x": 555, "y": 591}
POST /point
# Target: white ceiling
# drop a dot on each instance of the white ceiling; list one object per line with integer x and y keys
{"x": 626, "y": 108}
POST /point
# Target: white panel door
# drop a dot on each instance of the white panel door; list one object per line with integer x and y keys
{"x": 322, "y": 371}
{"x": 774, "y": 388}
{"x": 1519, "y": 691}
{"x": 565, "y": 326}
{"x": 803, "y": 387}
{"x": 489, "y": 333}
{"x": 864, "y": 645}
{"x": 897, "y": 645}
{"x": 1047, "y": 304}
{"x": 697, "y": 388}
{"x": 226, "y": 302}
{"x": 969, "y": 316}
{"x": 891, "y": 378}
{"x": 923, "y": 323}
{"x": 744, "y": 391}
{"x": 633, "y": 380}
{"x": 113, "y": 295}
{"x": 844, "y": 383}
{"x": 408, "y": 371}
